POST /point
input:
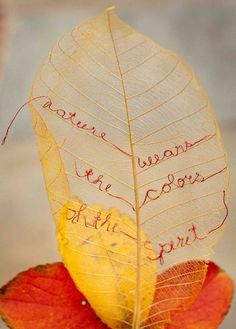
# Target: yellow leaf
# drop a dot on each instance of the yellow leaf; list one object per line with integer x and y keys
{"x": 99, "y": 249}
{"x": 134, "y": 166}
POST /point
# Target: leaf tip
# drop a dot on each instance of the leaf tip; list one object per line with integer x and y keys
{"x": 111, "y": 9}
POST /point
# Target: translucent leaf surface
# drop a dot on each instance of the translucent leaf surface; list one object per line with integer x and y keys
{"x": 134, "y": 167}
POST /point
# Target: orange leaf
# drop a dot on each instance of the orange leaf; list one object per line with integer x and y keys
{"x": 177, "y": 288}
{"x": 45, "y": 297}
{"x": 211, "y": 305}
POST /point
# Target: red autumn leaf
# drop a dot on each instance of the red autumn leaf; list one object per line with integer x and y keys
{"x": 211, "y": 305}
{"x": 45, "y": 297}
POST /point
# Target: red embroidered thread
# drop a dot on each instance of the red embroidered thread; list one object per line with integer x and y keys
{"x": 168, "y": 153}
{"x": 71, "y": 117}
{"x": 169, "y": 247}
{"x": 89, "y": 173}
{"x": 154, "y": 194}
{"x": 184, "y": 241}
{"x": 96, "y": 221}
{"x": 16, "y": 114}
{"x": 224, "y": 219}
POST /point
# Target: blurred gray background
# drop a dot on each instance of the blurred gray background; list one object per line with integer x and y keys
{"x": 203, "y": 32}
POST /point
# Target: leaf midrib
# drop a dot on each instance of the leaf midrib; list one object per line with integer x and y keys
{"x": 137, "y": 306}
